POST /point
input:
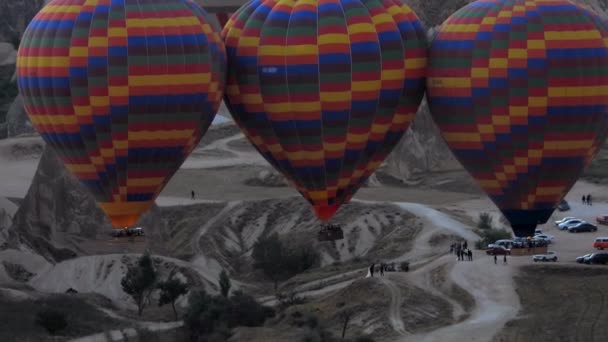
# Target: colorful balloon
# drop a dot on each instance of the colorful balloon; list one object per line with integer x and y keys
{"x": 123, "y": 91}
{"x": 324, "y": 89}
{"x": 519, "y": 90}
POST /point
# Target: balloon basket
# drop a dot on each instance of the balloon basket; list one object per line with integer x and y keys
{"x": 330, "y": 232}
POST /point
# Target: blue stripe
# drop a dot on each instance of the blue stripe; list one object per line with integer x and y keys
{"x": 576, "y": 53}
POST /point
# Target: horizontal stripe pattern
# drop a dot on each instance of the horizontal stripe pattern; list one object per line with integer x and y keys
{"x": 519, "y": 91}
{"x": 325, "y": 89}
{"x": 118, "y": 87}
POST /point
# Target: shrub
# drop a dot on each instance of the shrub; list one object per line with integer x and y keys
{"x": 51, "y": 320}
{"x": 485, "y": 221}
{"x": 404, "y": 266}
{"x": 364, "y": 339}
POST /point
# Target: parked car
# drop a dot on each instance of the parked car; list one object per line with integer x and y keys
{"x": 600, "y": 243}
{"x": 549, "y": 256}
{"x": 538, "y": 231}
{"x": 137, "y": 231}
{"x": 563, "y": 206}
{"x": 597, "y": 258}
{"x": 557, "y": 223}
{"x": 504, "y": 243}
{"x": 497, "y": 250}
{"x": 545, "y": 237}
{"x": 570, "y": 223}
{"x": 118, "y": 232}
{"x": 603, "y": 219}
{"x": 581, "y": 259}
{"x": 582, "y": 227}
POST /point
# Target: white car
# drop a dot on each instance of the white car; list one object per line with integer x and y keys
{"x": 570, "y": 223}
{"x": 557, "y": 223}
{"x": 550, "y": 256}
{"x": 548, "y": 238}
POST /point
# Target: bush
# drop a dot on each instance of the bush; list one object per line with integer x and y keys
{"x": 405, "y": 266}
{"x": 364, "y": 339}
{"x": 51, "y": 320}
{"x": 212, "y": 317}
{"x": 485, "y": 221}
{"x": 491, "y": 236}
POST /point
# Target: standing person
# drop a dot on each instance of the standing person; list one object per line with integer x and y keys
{"x": 470, "y": 255}
{"x": 495, "y": 258}
{"x": 382, "y": 270}
{"x": 192, "y": 194}
{"x": 589, "y": 199}
{"x": 465, "y": 245}
{"x": 451, "y": 248}
{"x": 505, "y": 259}
{"x": 584, "y": 200}
{"x": 371, "y": 270}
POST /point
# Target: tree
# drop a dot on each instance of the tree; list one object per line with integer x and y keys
{"x": 51, "y": 320}
{"x": 224, "y": 283}
{"x": 170, "y": 290}
{"x": 279, "y": 262}
{"x": 485, "y": 221}
{"x": 139, "y": 282}
{"x": 269, "y": 255}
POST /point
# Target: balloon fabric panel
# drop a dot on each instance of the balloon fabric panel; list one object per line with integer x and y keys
{"x": 123, "y": 90}
{"x": 519, "y": 90}
{"x": 325, "y": 89}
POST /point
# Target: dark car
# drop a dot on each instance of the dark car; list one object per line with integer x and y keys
{"x": 597, "y": 258}
{"x": 497, "y": 250}
{"x": 582, "y": 227}
{"x": 581, "y": 259}
{"x": 563, "y": 206}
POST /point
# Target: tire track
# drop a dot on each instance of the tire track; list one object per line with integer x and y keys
{"x": 579, "y": 330}
{"x": 599, "y": 315}
{"x": 394, "y": 312}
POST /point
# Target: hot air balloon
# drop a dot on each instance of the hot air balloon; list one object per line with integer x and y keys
{"x": 519, "y": 90}
{"x": 122, "y": 90}
{"x": 324, "y": 89}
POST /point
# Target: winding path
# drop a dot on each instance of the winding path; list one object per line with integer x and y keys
{"x": 394, "y": 312}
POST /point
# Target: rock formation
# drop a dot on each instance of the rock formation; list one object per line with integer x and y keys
{"x": 18, "y": 123}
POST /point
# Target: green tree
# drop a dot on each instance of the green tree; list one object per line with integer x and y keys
{"x": 224, "y": 283}
{"x": 51, "y": 320}
{"x": 269, "y": 256}
{"x": 140, "y": 281}
{"x": 485, "y": 221}
{"x": 170, "y": 290}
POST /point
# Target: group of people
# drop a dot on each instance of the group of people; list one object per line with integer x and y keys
{"x": 372, "y": 269}
{"x": 587, "y": 199}
{"x": 462, "y": 251}
{"x": 504, "y": 259}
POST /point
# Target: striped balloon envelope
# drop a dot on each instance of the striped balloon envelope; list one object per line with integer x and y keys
{"x": 519, "y": 90}
{"x": 123, "y": 90}
{"x": 324, "y": 89}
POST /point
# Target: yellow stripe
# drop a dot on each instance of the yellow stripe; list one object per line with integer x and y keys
{"x": 107, "y": 152}
{"x": 159, "y": 135}
{"x": 99, "y": 100}
{"x": 272, "y": 50}
{"x": 334, "y": 147}
{"x": 83, "y": 110}
{"x": 380, "y": 128}
{"x": 382, "y": 18}
{"x": 510, "y": 169}
{"x": 162, "y": 22}
{"x": 461, "y": 28}
{"x": 79, "y": 51}
{"x": 572, "y": 35}
{"x": 489, "y": 183}
{"x": 54, "y": 61}
{"x": 165, "y": 80}
{"x": 335, "y": 96}
{"x": 462, "y": 137}
{"x": 361, "y": 28}
{"x": 118, "y": 90}
{"x": 332, "y": 38}
{"x": 251, "y": 99}
{"x": 485, "y": 129}
{"x": 501, "y": 120}
{"x": 54, "y": 119}
{"x": 317, "y": 195}
{"x": 117, "y": 32}
{"x": 578, "y": 91}
{"x": 537, "y": 101}
{"x": 356, "y": 138}
{"x": 565, "y": 145}
{"x": 519, "y": 161}
{"x": 535, "y": 153}
{"x": 518, "y": 111}
{"x": 480, "y": 72}
{"x": 84, "y": 168}
{"x": 61, "y": 9}
{"x": 98, "y": 41}
{"x": 450, "y": 82}
{"x": 401, "y": 118}
{"x": 121, "y": 144}
{"x": 518, "y": 53}
{"x": 498, "y": 62}
{"x": 304, "y": 49}
{"x": 298, "y": 107}
{"x": 366, "y": 85}
{"x": 536, "y": 44}
{"x": 144, "y": 181}
{"x": 249, "y": 41}
{"x": 415, "y": 63}
{"x": 488, "y": 21}
{"x": 391, "y": 75}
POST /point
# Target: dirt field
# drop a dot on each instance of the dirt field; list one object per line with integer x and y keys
{"x": 560, "y": 304}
